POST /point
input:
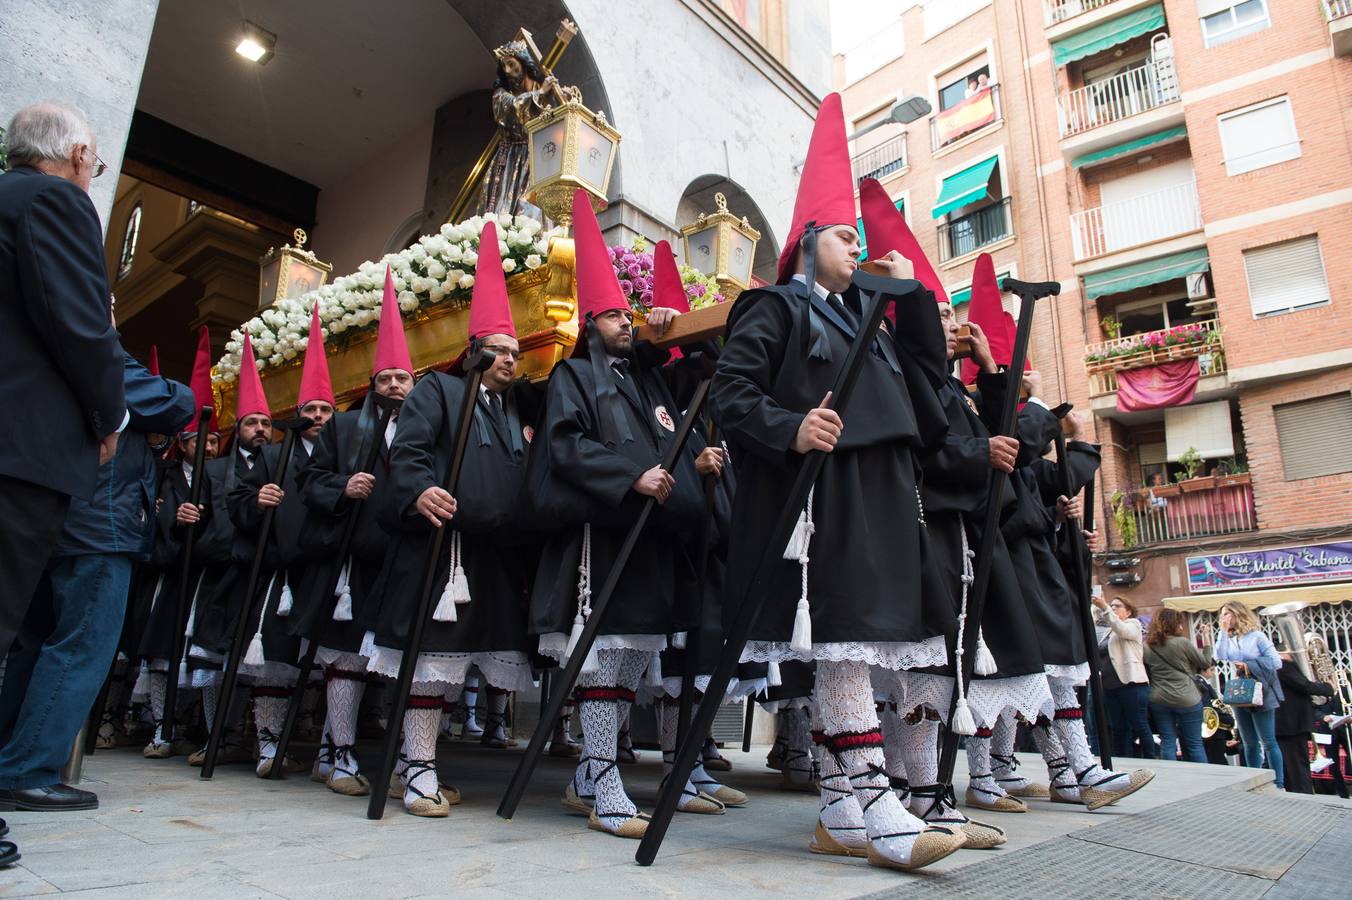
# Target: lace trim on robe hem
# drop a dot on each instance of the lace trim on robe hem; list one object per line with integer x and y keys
{"x": 894, "y": 655}
{"x": 987, "y": 698}
{"x": 671, "y": 687}
{"x": 507, "y": 670}
{"x": 555, "y": 643}
{"x": 342, "y": 660}
{"x": 1078, "y": 673}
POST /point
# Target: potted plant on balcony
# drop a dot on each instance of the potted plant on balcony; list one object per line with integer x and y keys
{"x": 1234, "y": 474}
{"x": 1123, "y": 519}
{"x": 1111, "y": 327}
{"x": 1191, "y": 478}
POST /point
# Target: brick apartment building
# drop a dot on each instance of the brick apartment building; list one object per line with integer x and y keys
{"x": 1184, "y": 169}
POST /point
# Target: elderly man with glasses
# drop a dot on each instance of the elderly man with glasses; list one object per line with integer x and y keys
{"x": 62, "y": 377}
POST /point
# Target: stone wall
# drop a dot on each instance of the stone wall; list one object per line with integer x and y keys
{"x": 80, "y": 52}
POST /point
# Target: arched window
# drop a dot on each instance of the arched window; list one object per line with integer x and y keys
{"x": 129, "y": 235}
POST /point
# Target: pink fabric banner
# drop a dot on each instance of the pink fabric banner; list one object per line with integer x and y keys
{"x": 1172, "y": 383}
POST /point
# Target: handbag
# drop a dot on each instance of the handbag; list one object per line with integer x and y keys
{"x": 1243, "y": 692}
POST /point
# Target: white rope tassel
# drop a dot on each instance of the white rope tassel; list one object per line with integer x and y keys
{"x": 654, "y": 674}
{"x": 284, "y": 601}
{"x": 963, "y": 722}
{"x": 457, "y": 585}
{"x": 985, "y": 660}
{"x": 592, "y": 662}
{"x": 342, "y": 610}
{"x": 254, "y": 657}
{"x": 801, "y": 641}
{"x": 678, "y": 640}
{"x": 772, "y": 676}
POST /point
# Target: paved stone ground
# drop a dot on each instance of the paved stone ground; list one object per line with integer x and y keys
{"x": 160, "y": 832}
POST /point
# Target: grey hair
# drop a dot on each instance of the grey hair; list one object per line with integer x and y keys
{"x": 46, "y": 131}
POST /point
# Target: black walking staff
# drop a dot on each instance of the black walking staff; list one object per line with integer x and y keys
{"x": 880, "y": 290}
{"x": 708, "y": 535}
{"x": 328, "y": 601}
{"x": 1029, "y": 293}
{"x": 291, "y": 429}
{"x": 567, "y": 678}
{"x": 183, "y": 603}
{"x": 1080, "y": 576}
{"x": 479, "y": 360}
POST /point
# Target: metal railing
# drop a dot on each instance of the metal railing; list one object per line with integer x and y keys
{"x": 1102, "y": 361}
{"x": 1336, "y": 9}
{"x": 1057, "y": 11}
{"x": 969, "y": 233}
{"x": 1124, "y": 95}
{"x": 880, "y": 161}
{"x": 961, "y": 119}
{"x": 1204, "y": 507}
{"x": 1150, "y": 217}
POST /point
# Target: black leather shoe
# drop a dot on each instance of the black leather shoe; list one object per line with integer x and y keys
{"x": 51, "y": 797}
{"x": 9, "y": 854}
{"x": 4, "y": 828}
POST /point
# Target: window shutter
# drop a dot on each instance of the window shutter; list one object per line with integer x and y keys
{"x": 1204, "y": 427}
{"x": 1315, "y": 436}
{"x": 1286, "y": 276}
{"x": 1260, "y": 136}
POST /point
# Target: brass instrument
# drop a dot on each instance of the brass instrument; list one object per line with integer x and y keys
{"x": 1321, "y": 664}
{"x": 1217, "y": 716}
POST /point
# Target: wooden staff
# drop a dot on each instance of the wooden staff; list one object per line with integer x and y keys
{"x": 328, "y": 600}
{"x": 880, "y": 290}
{"x": 183, "y": 602}
{"x": 1079, "y": 571}
{"x": 290, "y": 429}
{"x": 479, "y": 360}
{"x": 567, "y": 678}
{"x": 1029, "y": 294}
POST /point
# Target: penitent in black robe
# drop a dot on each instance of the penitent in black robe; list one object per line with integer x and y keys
{"x": 580, "y": 475}
{"x": 497, "y": 556}
{"x": 283, "y": 562}
{"x": 340, "y": 450}
{"x": 865, "y": 589}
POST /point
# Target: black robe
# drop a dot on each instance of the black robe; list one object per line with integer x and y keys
{"x": 340, "y": 450}
{"x": 497, "y": 556}
{"x": 868, "y": 554}
{"x": 213, "y": 575}
{"x": 283, "y": 560}
{"x": 576, "y": 476}
{"x": 155, "y": 580}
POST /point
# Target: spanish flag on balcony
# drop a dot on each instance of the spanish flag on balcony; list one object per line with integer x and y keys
{"x": 976, "y": 111}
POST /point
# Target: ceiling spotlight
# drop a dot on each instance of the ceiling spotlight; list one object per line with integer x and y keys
{"x": 255, "y": 44}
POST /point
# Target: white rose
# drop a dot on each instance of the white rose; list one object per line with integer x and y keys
{"x": 410, "y": 305}
{"x": 502, "y": 248}
{"x": 362, "y": 318}
{"x": 466, "y": 282}
{"x": 504, "y": 219}
{"x": 454, "y": 254}
{"x": 289, "y": 353}
{"x": 435, "y": 270}
{"x": 348, "y": 319}
{"x": 534, "y": 261}
{"x": 405, "y": 296}
{"x": 338, "y": 327}
{"x": 508, "y": 264}
{"x": 470, "y": 258}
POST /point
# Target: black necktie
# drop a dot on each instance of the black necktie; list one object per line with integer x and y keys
{"x": 845, "y": 311}
{"x": 621, "y": 367}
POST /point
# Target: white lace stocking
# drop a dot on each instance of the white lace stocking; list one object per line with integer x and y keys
{"x": 892, "y": 754}
{"x": 981, "y": 777}
{"x": 1004, "y": 764}
{"x": 601, "y": 693}
{"x": 420, "y": 744}
{"x": 1070, "y": 732}
{"x": 159, "y": 683}
{"x": 668, "y": 719}
{"x": 839, "y": 811}
{"x": 495, "y": 728}
{"x": 844, "y": 697}
{"x": 269, "y": 717}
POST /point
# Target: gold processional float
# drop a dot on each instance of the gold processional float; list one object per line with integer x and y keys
{"x": 570, "y": 147}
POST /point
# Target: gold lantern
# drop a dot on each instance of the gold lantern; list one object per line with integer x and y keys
{"x": 722, "y": 245}
{"x": 287, "y": 272}
{"x": 571, "y": 147}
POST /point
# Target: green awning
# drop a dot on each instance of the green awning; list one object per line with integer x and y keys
{"x": 1108, "y": 34}
{"x": 968, "y": 186}
{"x": 1150, "y": 140}
{"x": 1146, "y": 272}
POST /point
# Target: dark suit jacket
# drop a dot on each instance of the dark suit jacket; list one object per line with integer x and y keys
{"x": 121, "y": 517}
{"x": 1295, "y": 716}
{"x": 60, "y": 360}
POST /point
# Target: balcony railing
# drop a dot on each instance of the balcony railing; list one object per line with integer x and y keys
{"x": 1202, "y": 507}
{"x": 969, "y": 233}
{"x": 1057, "y": 11}
{"x": 880, "y": 161}
{"x": 1150, "y": 217}
{"x": 1203, "y": 340}
{"x": 1337, "y": 9}
{"x": 1124, "y": 95}
{"x": 961, "y": 119}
